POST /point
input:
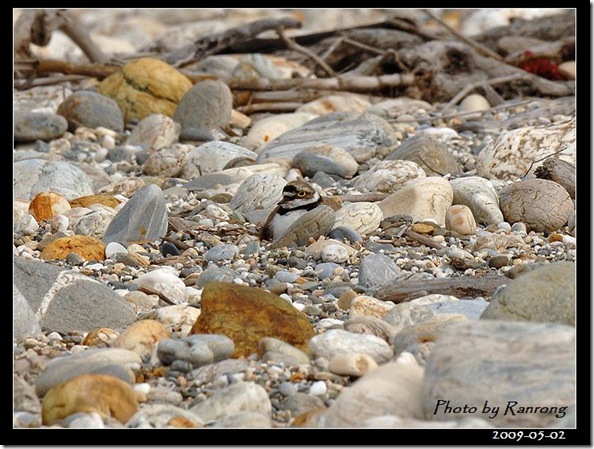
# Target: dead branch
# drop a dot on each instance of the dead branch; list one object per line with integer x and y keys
{"x": 292, "y": 45}
{"x": 485, "y": 51}
{"x": 269, "y": 107}
{"x": 37, "y": 25}
{"x": 216, "y": 43}
{"x": 347, "y": 83}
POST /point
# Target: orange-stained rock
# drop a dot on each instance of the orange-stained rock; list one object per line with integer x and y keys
{"x": 248, "y": 314}
{"x": 146, "y": 86}
{"x": 101, "y": 198}
{"x": 85, "y": 246}
{"x": 102, "y": 336}
{"x": 46, "y": 205}
{"x": 141, "y": 336}
{"x": 87, "y": 393}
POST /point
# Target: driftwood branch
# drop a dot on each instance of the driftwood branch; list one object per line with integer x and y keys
{"x": 460, "y": 287}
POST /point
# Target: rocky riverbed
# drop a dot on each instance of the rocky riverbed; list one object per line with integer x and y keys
{"x": 440, "y": 294}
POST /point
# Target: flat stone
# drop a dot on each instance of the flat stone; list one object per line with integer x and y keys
{"x": 142, "y": 218}
{"x": 362, "y": 135}
{"x": 112, "y": 361}
{"x": 327, "y": 159}
{"x": 545, "y": 295}
{"x": 32, "y": 126}
{"x": 211, "y": 157}
{"x": 248, "y": 314}
{"x": 224, "y": 251}
{"x": 91, "y": 110}
{"x": 267, "y": 129}
{"x": 429, "y": 153}
{"x": 33, "y": 176}
{"x": 270, "y": 345}
{"x": 387, "y": 176}
{"x": 64, "y": 300}
{"x": 237, "y": 397}
{"x": 338, "y": 341}
{"x": 243, "y": 420}
{"x": 164, "y": 280}
{"x": 470, "y": 366}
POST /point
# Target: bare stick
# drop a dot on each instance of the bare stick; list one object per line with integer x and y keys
{"x": 485, "y": 51}
{"x": 292, "y": 45}
{"x": 427, "y": 241}
{"x": 491, "y": 82}
{"x": 269, "y": 107}
{"x": 29, "y": 83}
{"x": 367, "y": 197}
{"x": 70, "y": 26}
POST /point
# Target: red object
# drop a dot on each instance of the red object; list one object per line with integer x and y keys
{"x": 541, "y": 66}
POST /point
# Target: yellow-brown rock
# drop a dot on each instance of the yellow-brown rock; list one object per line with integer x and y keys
{"x": 248, "y": 314}
{"x": 141, "y": 336}
{"x": 101, "y": 198}
{"x": 87, "y": 393}
{"x": 47, "y": 205}
{"x": 146, "y": 86}
{"x": 89, "y": 248}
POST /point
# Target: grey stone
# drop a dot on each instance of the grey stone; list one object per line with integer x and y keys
{"x": 235, "y": 398}
{"x": 209, "y": 181}
{"x": 33, "y": 176}
{"x": 224, "y": 251}
{"x": 32, "y": 126}
{"x": 337, "y": 341}
{"x": 91, "y": 110}
{"x": 545, "y": 294}
{"x": 64, "y": 301}
{"x": 24, "y": 321}
{"x": 243, "y": 420}
{"x": 274, "y": 346}
{"x": 24, "y": 397}
{"x": 212, "y": 157}
{"x": 214, "y": 273}
{"x": 429, "y": 153}
{"x": 362, "y": 135}
{"x": 376, "y": 269}
{"x": 473, "y": 309}
{"x": 509, "y": 365}
{"x": 341, "y": 233}
{"x": 142, "y": 218}
{"x": 208, "y": 104}
{"x": 326, "y": 159}
{"x": 299, "y": 403}
{"x": 112, "y": 361}
{"x": 326, "y": 269}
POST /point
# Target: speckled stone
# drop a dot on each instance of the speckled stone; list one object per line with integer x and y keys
{"x": 207, "y": 105}
{"x": 155, "y": 131}
{"x": 429, "y": 153}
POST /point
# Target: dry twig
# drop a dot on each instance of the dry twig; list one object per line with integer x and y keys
{"x": 292, "y": 45}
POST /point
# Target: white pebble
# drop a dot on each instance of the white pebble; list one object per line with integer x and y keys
{"x": 318, "y": 388}
{"x": 504, "y": 225}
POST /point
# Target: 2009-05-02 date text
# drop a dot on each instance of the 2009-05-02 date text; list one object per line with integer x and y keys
{"x": 534, "y": 435}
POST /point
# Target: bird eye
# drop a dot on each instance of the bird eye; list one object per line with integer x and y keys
{"x": 301, "y": 194}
